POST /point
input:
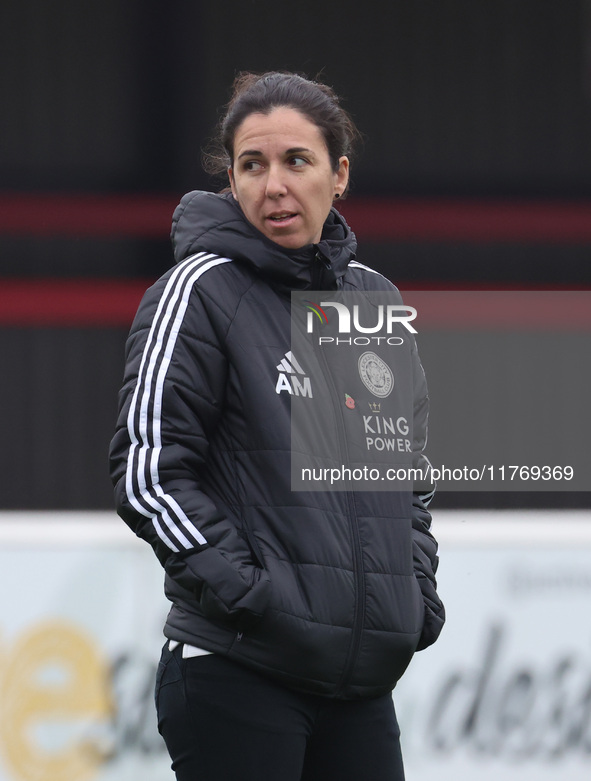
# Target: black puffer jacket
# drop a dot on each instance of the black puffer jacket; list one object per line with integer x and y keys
{"x": 329, "y": 592}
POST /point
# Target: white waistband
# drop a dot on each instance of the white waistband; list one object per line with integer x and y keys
{"x": 188, "y": 650}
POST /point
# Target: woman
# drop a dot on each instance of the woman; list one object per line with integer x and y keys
{"x": 294, "y": 612}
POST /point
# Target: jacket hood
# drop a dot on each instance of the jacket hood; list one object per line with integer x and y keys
{"x": 213, "y": 222}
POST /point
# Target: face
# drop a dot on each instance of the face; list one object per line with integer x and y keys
{"x": 282, "y": 176}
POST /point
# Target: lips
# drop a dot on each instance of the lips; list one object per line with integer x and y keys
{"x": 281, "y": 218}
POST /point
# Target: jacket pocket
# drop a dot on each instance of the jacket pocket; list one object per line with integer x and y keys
{"x": 246, "y": 534}
{"x": 434, "y": 613}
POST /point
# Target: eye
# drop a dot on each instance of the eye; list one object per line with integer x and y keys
{"x": 297, "y": 162}
{"x": 251, "y": 165}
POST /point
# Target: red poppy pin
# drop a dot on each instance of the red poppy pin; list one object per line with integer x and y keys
{"x": 349, "y": 401}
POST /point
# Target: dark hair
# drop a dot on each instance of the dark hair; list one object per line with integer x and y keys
{"x": 261, "y": 93}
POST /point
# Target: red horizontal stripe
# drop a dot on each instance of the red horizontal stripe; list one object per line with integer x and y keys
{"x": 71, "y": 302}
{"x": 103, "y": 303}
{"x": 484, "y": 221}
{"x": 551, "y": 311}
{"x": 78, "y": 216}
{"x": 372, "y": 219}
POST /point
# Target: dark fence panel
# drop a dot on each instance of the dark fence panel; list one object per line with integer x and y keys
{"x": 58, "y": 398}
{"x": 489, "y": 97}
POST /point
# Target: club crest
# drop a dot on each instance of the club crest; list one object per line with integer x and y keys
{"x": 376, "y": 375}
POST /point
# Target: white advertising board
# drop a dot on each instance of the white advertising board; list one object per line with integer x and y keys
{"x": 505, "y": 693}
{"x": 80, "y": 635}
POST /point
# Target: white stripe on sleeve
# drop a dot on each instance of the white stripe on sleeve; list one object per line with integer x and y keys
{"x": 144, "y": 420}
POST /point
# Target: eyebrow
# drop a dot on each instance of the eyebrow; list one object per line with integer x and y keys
{"x": 257, "y": 153}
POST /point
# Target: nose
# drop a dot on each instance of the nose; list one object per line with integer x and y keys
{"x": 275, "y": 184}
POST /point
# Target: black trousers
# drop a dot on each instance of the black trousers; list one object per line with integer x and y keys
{"x": 224, "y": 722}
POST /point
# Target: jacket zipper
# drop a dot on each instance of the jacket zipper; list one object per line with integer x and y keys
{"x": 359, "y": 609}
{"x": 359, "y": 613}
{"x": 320, "y": 263}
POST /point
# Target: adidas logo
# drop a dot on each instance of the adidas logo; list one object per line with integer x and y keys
{"x": 288, "y": 379}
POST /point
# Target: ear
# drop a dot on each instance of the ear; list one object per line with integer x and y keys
{"x": 342, "y": 175}
{"x": 232, "y": 182}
